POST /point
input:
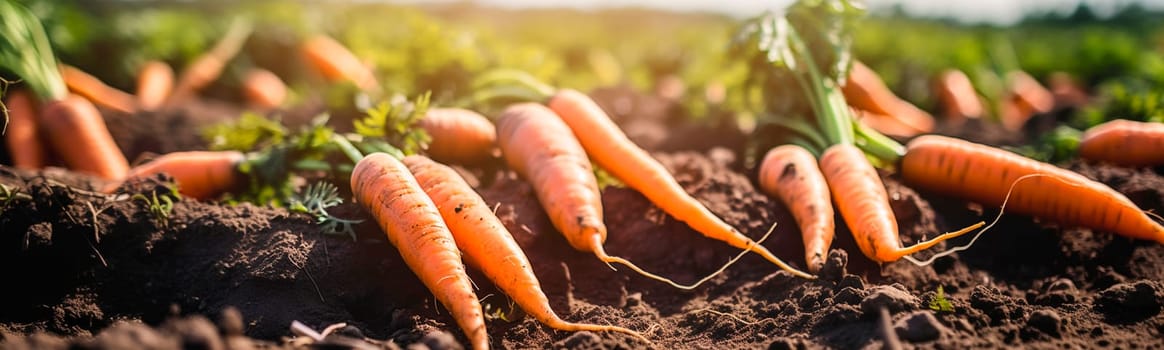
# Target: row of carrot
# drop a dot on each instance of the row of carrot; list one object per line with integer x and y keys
{"x": 430, "y": 214}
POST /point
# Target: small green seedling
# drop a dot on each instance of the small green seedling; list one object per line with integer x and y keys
{"x": 160, "y": 207}
{"x": 315, "y": 199}
{"x": 940, "y": 303}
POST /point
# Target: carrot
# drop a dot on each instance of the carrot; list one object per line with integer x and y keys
{"x": 199, "y": 174}
{"x": 155, "y": 80}
{"x": 791, "y": 173}
{"x": 412, "y": 222}
{"x": 488, "y": 246}
{"x": 205, "y": 69}
{"x": 865, "y": 90}
{"x": 1025, "y": 97}
{"x": 957, "y": 95}
{"x": 22, "y": 137}
{"x": 1066, "y": 90}
{"x": 77, "y": 133}
{"x": 95, "y": 90}
{"x": 336, "y": 63}
{"x": 1124, "y": 142}
{"x": 986, "y": 175}
{"x": 863, "y": 202}
{"x": 885, "y": 124}
{"x": 614, "y": 152}
{"x": 459, "y": 135}
{"x": 263, "y": 89}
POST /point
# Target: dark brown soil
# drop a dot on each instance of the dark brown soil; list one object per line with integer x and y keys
{"x": 89, "y": 272}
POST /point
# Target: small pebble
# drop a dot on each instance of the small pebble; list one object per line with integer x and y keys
{"x": 1046, "y": 321}
{"x": 896, "y": 300}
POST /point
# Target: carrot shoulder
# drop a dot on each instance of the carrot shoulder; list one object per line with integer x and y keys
{"x": 611, "y": 149}
{"x": 865, "y": 90}
{"x": 957, "y": 95}
{"x": 986, "y": 175}
{"x": 336, "y": 63}
{"x": 861, "y": 198}
{"x": 263, "y": 89}
{"x": 23, "y": 136}
{"x": 459, "y": 135}
{"x": 77, "y": 134}
{"x": 412, "y": 222}
{"x": 198, "y": 174}
{"x": 487, "y": 245}
{"x": 1124, "y": 142}
{"x": 790, "y": 173}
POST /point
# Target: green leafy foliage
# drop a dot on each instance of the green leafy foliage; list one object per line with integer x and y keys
{"x": 1133, "y": 99}
{"x": 26, "y": 51}
{"x": 940, "y": 303}
{"x": 396, "y": 122}
{"x": 315, "y": 199}
{"x": 246, "y": 133}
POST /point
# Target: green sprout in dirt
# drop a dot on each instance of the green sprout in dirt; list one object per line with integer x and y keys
{"x": 160, "y": 207}
{"x": 9, "y": 196}
{"x": 940, "y": 303}
{"x": 315, "y": 199}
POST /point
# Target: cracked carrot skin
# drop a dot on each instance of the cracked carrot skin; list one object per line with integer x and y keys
{"x": 790, "y": 173}
{"x": 488, "y": 246}
{"x": 1124, "y": 142}
{"x": 984, "y": 174}
{"x": 385, "y": 187}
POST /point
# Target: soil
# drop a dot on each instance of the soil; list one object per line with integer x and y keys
{"x": 93, "y": 273}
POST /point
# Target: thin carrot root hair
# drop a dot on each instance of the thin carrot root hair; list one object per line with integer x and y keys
{"x": 731, "y": 316}
{"x": 601, "y": 254}
{"x": 574, "y": 327}
{"x": 1001, "y": 210}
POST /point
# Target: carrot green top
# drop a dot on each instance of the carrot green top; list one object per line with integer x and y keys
{"x": 26, "y": 52}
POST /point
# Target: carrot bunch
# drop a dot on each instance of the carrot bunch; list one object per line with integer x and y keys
{"x": 73, "y": 128}
{"x": 575, "y": 125}
{"x": 822, "y": 163}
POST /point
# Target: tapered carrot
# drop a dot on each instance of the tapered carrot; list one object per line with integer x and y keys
{"x": 863, "y": 202}
{"x": 986, "y": 175}
{"x": 459, "y": 135}
{"x": 865, "y": 90}
{"x": 488, "y": 246}
{"x": 336, "y": 63}
{"x": 957, "y": 96}
{"x": 412, "y": 222}
{"x": 791, "y": 173}
{"x": 70, "y": 123}
{"x": 611, "y": 149}
{"x": 1026, "y": 97}
{"x": 155, "y": 80}
{"x": 97, "y": 91}
{"x": 198, "y": 174}
{"x": 78, "y": 135}
{"x": 22, "y": 137}
{"x": 1124, "y": 142}
{"x": 263, "y": 89}
{"x": 208, "y": 67}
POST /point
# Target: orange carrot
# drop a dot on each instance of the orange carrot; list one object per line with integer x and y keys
{"x": 459, "y": 135}
{"x": 155, "y": 80}
{"x": 865, "y": 90}
{"x": 885, "y": 124}
{"x": 199, "y": 174}
{"x": 488, "y": 246}
{"x": 611, "y": 149}
{"x": 336, "y": 63}
{"x": 412, "y": 222}
{"x": 985, "y": 175}
{"x": 957, "y": 95}
{"x": 22, "y": 138}
{"x": 791, "y": 173}
{"x": 863, "y": 202}
{"x": 1025, "y": 97}
{"x": 77, "y": 133}
{"x": 95, "y": 90}
{"x": 208, "y": 67}
{"x": 1066, "y": 90}
{"x": 1124, "y": 142}
{"x": 263, "y": 89}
